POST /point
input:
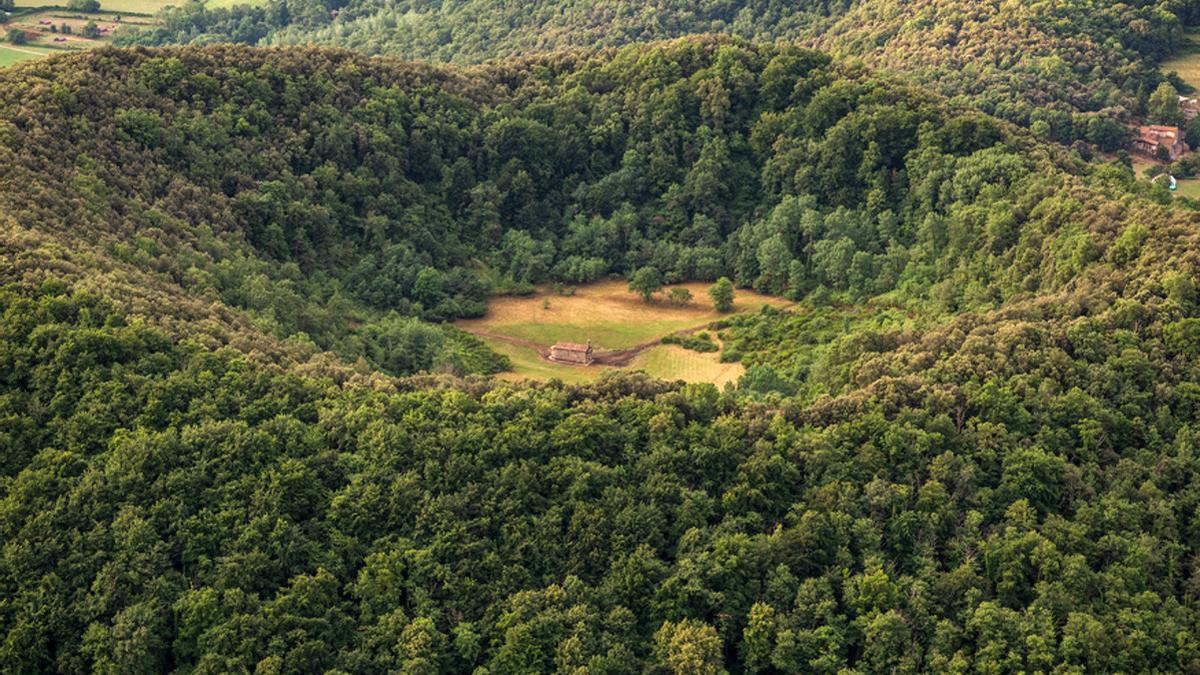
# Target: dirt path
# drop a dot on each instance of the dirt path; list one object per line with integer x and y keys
{"x": 615, "y": 357}
{"x": 23, "y": 51}
{"x": 542, "y": 351}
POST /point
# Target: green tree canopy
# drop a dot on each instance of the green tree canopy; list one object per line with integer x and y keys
{"x": 721, "y": 293}
{"x": 646, "y": 281}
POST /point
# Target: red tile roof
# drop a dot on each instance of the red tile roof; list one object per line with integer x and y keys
{"x": 571, "y": 346}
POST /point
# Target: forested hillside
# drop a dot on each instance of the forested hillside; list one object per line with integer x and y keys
{"x": 1074, "y": 68}
{"x": 970, "y": 447}
{"x": 1077, "y": 68}
{"x": 335, "y": 199}
{"x": 478, "y": 30}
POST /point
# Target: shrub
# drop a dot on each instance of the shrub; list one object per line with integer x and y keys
{"x": 698, "y": 342}
{"x": 680, "y": 297}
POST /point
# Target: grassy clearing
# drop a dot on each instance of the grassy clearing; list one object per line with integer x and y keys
{"x": 668, "y": 362}
{"x": 612, "y": 318}
{"x": 606, "y": 313}
{"x": 122, "y": 6}
{"x": 672, "y": 362}
{"x": 10, "y": 54}
{"x": 528, "y": 365}
{"x": 43, "y": 42}
{"x": 603, "y": 334}
{"x": 1187, "y": 61}
{"x": 1188, "y": 187}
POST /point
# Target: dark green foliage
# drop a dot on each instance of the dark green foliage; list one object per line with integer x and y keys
{"x": 476, "y": 30}
{"x": 1071, "y": 69}
{"x": 169, "y": 507}
{"x": 697, "y": 342}
{"x": 318, "y": 190}
{"x": 398, "y": 344}
{"x": 971, "y": 446}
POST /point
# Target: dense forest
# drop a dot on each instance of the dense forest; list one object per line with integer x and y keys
{"x": 1077, "y": 69}
{"x": 239, "y": 436}
{"x": 478, "y": 30}
{"x": 337, "y": 199}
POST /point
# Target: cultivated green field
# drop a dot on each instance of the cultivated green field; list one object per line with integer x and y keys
{"x": 10, "y": 55}
{"x": 134, "y": 6}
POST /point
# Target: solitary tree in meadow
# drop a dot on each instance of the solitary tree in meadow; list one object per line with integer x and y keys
{"x": 722, "y": 294}
{"x": 646, "y": 282}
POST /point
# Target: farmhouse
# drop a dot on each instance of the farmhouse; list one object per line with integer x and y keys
{"x": 1190, "y": 107}
{"x": 1154, "y": 139}
{"x": 571, "y": 352}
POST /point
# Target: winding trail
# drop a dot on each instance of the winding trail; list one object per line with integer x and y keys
{"x": 542, "y": 351}
{"x": 613, "y": 357}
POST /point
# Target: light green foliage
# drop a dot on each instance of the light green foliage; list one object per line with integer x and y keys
{"x": 689, "y": 647}
{"x": 646, "y": 282}
{"x": 1163, "y": 105}
{"x": 1128, "y": 245}
{"x": 721, "y": 294}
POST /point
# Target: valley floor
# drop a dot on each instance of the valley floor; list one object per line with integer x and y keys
{"x": 614, "y": 320}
